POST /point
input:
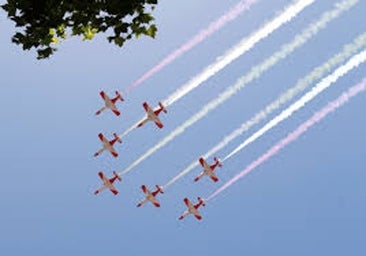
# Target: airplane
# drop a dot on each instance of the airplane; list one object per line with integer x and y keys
{"x": 193, "y": 208}
{"x": 152, "y": 115}
{"x": 150, "y": 196}
{"x": 209, "y": 169}
{"x": 108, "y": 183}
{"x": 108, "y": 145}
{"x": 110, "y": 103}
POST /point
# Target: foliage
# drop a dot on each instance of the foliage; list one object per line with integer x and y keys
{"x": 45, "y": 23}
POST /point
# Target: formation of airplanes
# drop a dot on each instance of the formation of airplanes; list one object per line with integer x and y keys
{"x": 150, "y": 196}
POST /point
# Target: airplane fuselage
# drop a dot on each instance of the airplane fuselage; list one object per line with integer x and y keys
{"x": 107, "y": 145}
{"x": 150, "y": 196}
{"x": 208, "y": 171}
{"x": 151, "y": 115}
{"x": 108, "y": 103}
{"x": 191, "y": 210}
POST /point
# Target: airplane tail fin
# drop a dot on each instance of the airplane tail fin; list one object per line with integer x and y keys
{"x": 119, "y": 96}
{"x": 201, "y": 201}
{"x": 160, "y": 189}
{"x": 117, "y": 175}
{"x": 117, "y": 137}
{"x": 163, "y": 107}
{"x": 218, "y": 161}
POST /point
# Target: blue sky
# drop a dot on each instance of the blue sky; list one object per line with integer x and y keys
{"x": 309, "y": 199}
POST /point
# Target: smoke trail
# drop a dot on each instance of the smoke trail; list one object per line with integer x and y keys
{"x": 255, "y": 72}
{"x": 317, "y": 117}
{"x": 202, "y": 35}
{"x": 354, "y": 62}
{"x": 246, "y": 44}
{"x": 235, "y": 52}
{"x": 317, "y": 73}
{"x": 129, "y": 129}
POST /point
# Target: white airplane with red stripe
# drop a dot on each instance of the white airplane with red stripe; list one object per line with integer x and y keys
{"x": 108, "y": 183}
{"x": 110, "y": 103}
{"x": 153, "y": 115}
{"x": 193, "y": 208}
{"x": 108, "y": 145}
{"x": 150, "y": 196}
{"x": 209, "y": 169}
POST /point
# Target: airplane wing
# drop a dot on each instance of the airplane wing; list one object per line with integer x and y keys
{"x": 213, "y": 177}
{"x": 143, "y": 122}
{"x": 102, "y": 138}
{"x": 155, "y": 202}
{"x": 142, "y": 202}
{"x": 185, "y": 214}
{"x": 188, "y": 203}
{"x": 113, "y": 189}
{"x": 114, "y": 109}
{"x": 203, "y": 163}
{"x": 199, "y": 176}
{"x": 102, "y": 177}
{"x": 100, "y": 189}
{"x": 113, "y": 151}
{"x": 103, "y": 95}
{"x": 158, "y": 122}
{"x": 198, "y": 216}
{"x": 144, "y": 189}
{"x": 147, "y": 107}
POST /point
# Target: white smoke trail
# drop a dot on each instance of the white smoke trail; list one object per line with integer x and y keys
{"x": 129, "y": 129}
{"x": 354, "y": 62}
{"x": 198, "y": 38}
{"x": 254, "y": 73}
{"x": 235, "y": 52}
{"x": 293, "y": 136}
{"x": 317, "y": 73}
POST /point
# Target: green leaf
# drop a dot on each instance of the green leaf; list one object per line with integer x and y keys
{"x": 43, "y": 23}
{"x": 119, "y": 41}
{"x": 152, "y": 31}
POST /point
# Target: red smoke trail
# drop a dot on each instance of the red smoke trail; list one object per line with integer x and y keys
{"x": 213, "y": 27}
{"x": 317, "y": 117}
